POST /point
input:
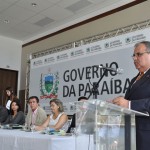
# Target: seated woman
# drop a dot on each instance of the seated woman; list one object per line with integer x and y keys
{"x": 58, "y": 119}
{"x": 16, "y": 115}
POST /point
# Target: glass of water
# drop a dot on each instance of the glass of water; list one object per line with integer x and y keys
{"x": 25, "y": 127}
{"x": 32, "y": 128}
{"x": 73, "y": 131}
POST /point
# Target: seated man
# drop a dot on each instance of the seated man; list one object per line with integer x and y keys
{"x": 3, "y": 114}
{"x": 73, "y": 124}
{"x": 36, "y": 116}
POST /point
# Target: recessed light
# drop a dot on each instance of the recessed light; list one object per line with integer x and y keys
{"x": 6, "y": 21}
{"x": 34, "y": 4}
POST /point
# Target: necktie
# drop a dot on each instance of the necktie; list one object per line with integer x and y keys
{"x": 140, "y": 76}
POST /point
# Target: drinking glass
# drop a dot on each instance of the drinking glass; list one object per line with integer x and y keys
{"x": 47, "y": 130}
{"x": 25, "y": 127}
{"x": 32, "y": 127}
{"x": 73, "y": 131}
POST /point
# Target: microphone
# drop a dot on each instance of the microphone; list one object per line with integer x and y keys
{"x": 118, "y": 70}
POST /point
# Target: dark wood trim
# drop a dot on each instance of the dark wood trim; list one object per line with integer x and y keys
{"x": 86, "y": 21}
{"x": 8, "y": 78}
{"x": 8, "y": 69}
{"x": 17, "y": 72}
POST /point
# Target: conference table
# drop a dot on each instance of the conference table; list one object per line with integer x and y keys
{"x": 21, "y": 140}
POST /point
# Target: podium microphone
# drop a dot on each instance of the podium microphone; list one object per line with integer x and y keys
{"x": 118, "y": 70}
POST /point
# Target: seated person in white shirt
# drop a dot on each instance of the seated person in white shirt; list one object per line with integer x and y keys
{"x": 10, "y": 96}
{"x": 58, "y": 119}
{"x": 36, "y": 115}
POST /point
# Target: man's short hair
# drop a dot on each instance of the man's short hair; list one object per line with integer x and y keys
{"x": 82, "y": 97}
{"x": 146, "y": 43}
{"x": 34, "y": 97}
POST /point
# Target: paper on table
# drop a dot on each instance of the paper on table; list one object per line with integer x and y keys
{"x": 8, "y": 104}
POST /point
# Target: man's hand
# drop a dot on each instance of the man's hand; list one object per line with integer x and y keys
{"x": 121, "y": 102}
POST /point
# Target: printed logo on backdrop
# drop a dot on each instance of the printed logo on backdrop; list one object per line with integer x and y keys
{"x": 76, "y": 53}
{"x": 72, "y": 54}
{"x": 128, "y": 40}
{"x": 93, "y": 49}
{"x": 113, "y": 44}
{"x": 37, "y": 63}
{"x": 49, "y": 85}
{"x": 88, "y": 50}
{"x": 62, "y": 57}
{"x": 135, "y": 38}
{"x": 49, "y": 60}
{"x": 106, "y": 45}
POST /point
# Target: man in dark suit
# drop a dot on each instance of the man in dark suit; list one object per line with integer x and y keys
{"x": 3, "y": 114}
{"x": 137, "y": 96}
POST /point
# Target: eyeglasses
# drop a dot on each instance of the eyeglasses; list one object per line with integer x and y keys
{"x": 138, "y": 54}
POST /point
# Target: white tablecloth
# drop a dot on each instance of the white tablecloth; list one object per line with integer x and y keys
{"x": 21, "y": 140}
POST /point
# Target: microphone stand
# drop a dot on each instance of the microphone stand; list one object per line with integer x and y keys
{"x": 94, "y": 90}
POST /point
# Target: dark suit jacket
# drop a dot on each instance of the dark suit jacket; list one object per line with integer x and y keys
{"x": 139, "y": 95}
{"x": 73, "y": 124}
{"x": 3, "y": 114}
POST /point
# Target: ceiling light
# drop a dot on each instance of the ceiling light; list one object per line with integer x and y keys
{"x": 6, "y": 21}
{"x": 34, "y": 4}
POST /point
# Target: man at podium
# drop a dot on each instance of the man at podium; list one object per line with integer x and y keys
{"x": 137, "y": 96}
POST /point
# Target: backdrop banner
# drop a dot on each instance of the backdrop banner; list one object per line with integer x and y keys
{"x": 70, "y": 74}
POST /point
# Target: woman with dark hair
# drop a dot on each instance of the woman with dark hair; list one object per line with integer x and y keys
{"x": 16, "y": 115}
{"x": 10, "y": 96}
{"x": 58, "y": 119}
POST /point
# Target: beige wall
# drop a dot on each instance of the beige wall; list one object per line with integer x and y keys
{"x": 123, "y": 18}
